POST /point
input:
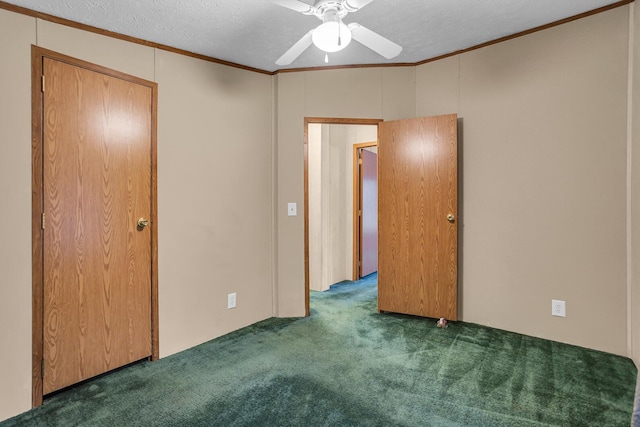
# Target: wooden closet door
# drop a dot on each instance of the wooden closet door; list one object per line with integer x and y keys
{"x": 417, "y": 214}
{"x": 97, "y": 260}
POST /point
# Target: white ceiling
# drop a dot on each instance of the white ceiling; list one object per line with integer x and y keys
{"x": 255, "y": 33}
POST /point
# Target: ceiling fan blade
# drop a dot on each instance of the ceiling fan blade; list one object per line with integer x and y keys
{"x": 296, "y": 50}
{"x": 296, "y": 5}
{"x": 354, "y": 5}
{"x": 375, "y": 41}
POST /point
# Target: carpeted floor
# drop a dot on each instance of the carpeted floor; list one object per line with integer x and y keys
{"x": 347, "y": 365}
{"x": 635, "y": 421}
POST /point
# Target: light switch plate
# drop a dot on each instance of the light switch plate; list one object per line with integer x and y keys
{"x": 292, "y": 209}
{"x": 231, "y": 300}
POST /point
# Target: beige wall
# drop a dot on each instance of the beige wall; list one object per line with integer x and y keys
{"x": 314, "y": 160}
{"x": 17, "y": 33}
{"x": 333, "y": 186}
{"x": 543, "y": 147}
{"x": 215, "y": 184}
{"x": 634, "y": 303}
{"x": 214, "y": 196}
{"x": 382, "y": 93}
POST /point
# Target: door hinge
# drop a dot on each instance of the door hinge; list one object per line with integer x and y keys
{"x": 43, "y": 83}
{"x": 359, "y": 214}
{"x": 43, "y": 220}
{"x": 359, "y": 161}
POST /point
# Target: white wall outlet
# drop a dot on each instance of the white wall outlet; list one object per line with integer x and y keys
{"x": 558, "y": 308}
{"x": 292, "y": 209}
{"x": 231, "y": 300}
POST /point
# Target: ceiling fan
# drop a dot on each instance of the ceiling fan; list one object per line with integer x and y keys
{"x": 333, "y": 34}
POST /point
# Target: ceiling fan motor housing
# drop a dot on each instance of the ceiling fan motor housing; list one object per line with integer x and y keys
{"x": 332, "y": 8}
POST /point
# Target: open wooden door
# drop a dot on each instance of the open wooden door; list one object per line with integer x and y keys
{"x": 417, "y": 213}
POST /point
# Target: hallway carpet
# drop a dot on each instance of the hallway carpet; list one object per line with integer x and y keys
{"x": 347, "y": 365}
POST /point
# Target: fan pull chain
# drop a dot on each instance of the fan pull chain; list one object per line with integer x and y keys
{"x": 326, "y": 55}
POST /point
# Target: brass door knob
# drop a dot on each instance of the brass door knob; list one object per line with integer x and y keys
{"x": 451, "y": 218}
{"x": 143, "y": 222}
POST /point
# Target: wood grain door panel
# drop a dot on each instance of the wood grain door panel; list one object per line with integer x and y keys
{"x": 97, "y": 263}
{"x": 417, "y": 172}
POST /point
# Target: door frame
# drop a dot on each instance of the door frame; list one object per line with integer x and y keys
{"x": 307, "y": 122}
{"x": 357, "y": 202}
{"x": 37, "y": 57}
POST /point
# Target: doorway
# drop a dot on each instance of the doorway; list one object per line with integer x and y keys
{"x": 417, "y": 226}
{"x": 94, "y": 221}
{"x": 340, "y": 233}
{"x": 365, "y": 209}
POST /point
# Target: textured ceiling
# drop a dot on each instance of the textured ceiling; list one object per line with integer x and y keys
{"x": 255, "y": 33}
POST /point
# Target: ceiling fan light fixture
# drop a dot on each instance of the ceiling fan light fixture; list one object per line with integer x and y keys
{"x": 332, "y": 35}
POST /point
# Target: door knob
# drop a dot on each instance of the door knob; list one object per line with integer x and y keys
{"x": 451, "y": 218}
{"x": 142, "y": 223}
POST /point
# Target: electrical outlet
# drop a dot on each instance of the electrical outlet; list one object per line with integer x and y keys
{"x": 558, "y": 308}
{"x": 231, "y": 300}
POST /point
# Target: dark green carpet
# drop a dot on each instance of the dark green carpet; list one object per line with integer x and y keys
{"x": 348, "y": 365}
